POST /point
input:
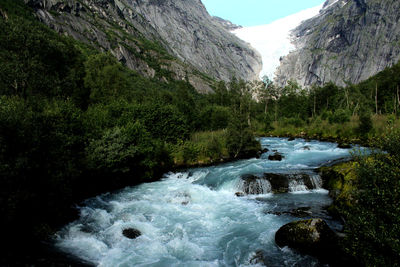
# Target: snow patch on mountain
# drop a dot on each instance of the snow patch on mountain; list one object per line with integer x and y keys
{"x": 273, "y": 40}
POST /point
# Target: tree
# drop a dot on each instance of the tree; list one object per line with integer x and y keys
{"x": 105, "y": 77}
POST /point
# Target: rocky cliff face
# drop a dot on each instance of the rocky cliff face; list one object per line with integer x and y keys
{"x": 158, "y": 38}
{"x": 228, "y": 25}
{"x": 349, "y": 41}
{"x": 196, "y": 38}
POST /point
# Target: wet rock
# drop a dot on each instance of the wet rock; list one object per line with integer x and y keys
{"x": 275, "y": 157}
{"x": 184, "y": 198}
{"x": 306, "y": 148}
{"x": 279, "y": 182}
{"x": 265, "y": 150}
{"x": 254, "y": 185}
{"x": 291, "y": 138}
{"x": 313, "y": 237}
{"x": 259, "y": 153}
{"x": 299, "y": 212}
{"x": 239, "y": 194}
{"x": 258, "y": 258}
{"x": 131, "y": 233}
{"x": 344, "y": 145}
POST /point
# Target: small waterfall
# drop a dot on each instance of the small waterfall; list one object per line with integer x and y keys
{"x": 254, "y": 186}
{"x": 316, "y": 181}
{"x": 296, "y": 185}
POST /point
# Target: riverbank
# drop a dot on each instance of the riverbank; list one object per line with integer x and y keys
{"x": 365, "y": 194}
{"x": 348, "y": 132}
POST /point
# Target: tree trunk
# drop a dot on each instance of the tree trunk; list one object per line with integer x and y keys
{"x": 398, "y": 97}
{"x": 376, "y": 98}
{"x": 266, "y": 106}
{"x": 315, "y": 99}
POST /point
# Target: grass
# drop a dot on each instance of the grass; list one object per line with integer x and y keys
{"x": 343, "y": 132}
{"x": 203, "y": 148}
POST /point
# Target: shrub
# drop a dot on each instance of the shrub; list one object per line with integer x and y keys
{"x": 340, "y": 116}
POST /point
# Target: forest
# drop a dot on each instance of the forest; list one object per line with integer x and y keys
{"x": 75, "y": 122}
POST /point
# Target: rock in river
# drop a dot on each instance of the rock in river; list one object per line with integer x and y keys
{"x": 131, "y": 233}
{"x": 276, "y": 157}
{"x": 313, "y": 237}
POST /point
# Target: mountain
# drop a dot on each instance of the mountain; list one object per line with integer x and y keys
{"x": 163, "y": 39}
{"x": 228, "y": 25}
{"x": 273, "y": 40}
{"x": 348, "y": 41}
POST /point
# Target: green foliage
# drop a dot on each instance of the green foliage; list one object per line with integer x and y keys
{"x": 365, "y": 125}
{"x": 214, "y": 117}
{"x": 339, "y": 116}
{"x": 373, "y": 222}
{"x": 41, "y": 158}
{"x": 127, "y": 149}
{"x": 35, "y": 60}
{"x": 105, "y": 77}
{"x": 240, "y": 139}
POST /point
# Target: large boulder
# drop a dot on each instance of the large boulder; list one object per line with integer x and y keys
{"x": 313, "y": 237}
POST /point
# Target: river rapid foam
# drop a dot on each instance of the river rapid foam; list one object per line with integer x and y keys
{"x": 194, "y": 218}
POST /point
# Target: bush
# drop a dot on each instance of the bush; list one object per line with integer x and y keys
{"x": 340, "y": 116}
{"x": 373, "y": 221}
{"x": 240, "y": 139}
{"x": 296, "y": 122}
{"x": 365, "y": 125}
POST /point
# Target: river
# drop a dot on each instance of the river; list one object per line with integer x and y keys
{"x": 194, "y": 218}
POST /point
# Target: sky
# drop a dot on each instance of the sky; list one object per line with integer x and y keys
{"x": 257, "y": 12}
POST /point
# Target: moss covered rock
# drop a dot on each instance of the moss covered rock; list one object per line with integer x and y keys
{"x": 313, "y": 237}
{"x": 341, "y": 181}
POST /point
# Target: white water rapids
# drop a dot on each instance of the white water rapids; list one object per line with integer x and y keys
{"x": 193, "y": 218}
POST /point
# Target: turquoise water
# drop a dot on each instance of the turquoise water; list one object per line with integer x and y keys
{"x": 193, "y": 218}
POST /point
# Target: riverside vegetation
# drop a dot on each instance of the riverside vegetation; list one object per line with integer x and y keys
{"x": 74, "y": 122}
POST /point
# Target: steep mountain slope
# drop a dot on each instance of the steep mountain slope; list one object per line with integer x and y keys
{"x": 349, "y": 41}
{"x": 144, "y": 34}
{"x": 228, "y": 25}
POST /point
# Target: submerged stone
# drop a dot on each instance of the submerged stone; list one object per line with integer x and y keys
{"x": 131, "y": 233}
{"x": 276, "y": 157}
{"x": 299, "y": 212}
{"x": 239, "y": 194}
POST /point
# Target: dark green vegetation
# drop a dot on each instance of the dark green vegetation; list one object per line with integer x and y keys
{"x": 348, "y": 113}
{"x": 366, "y": 195}
{"x": 75, "y": 123}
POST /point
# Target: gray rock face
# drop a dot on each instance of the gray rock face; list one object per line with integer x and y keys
{"x": 195, "y": 37}
{"x": 157, "y": 38}
{"x": 349, "y": 41}
{"x": 228, "y": 25}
